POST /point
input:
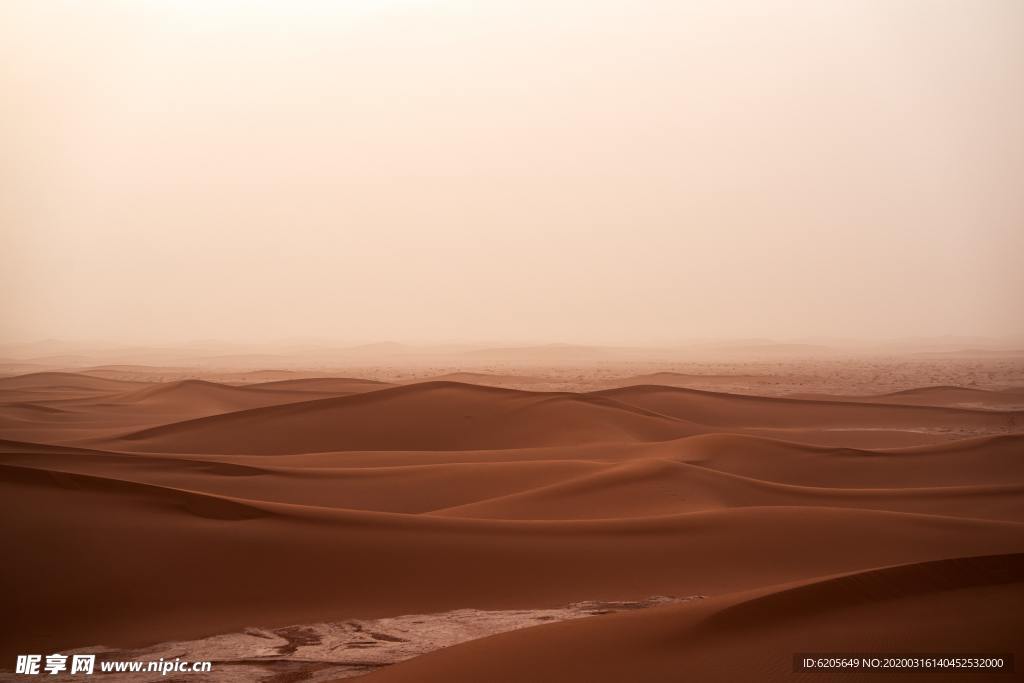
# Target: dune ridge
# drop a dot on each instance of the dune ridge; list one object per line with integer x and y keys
{"x": 428, "y": 416}
{"x": 455, "y": 416}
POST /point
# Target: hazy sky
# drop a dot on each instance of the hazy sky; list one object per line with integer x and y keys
{"x": 583, "y": 171}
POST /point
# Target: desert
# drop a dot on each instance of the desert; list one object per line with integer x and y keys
{"x": 329, "y": 507}
{"x": 523, "y": 341}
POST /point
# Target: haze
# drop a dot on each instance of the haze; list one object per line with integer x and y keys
{"x": 566, "y": 171}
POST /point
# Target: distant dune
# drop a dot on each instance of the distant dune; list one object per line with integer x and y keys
{"x": 323, "y": 385}
{"x": 59, "y": 386}
{"x": 453, "y": 416}
{"x": 128, "y": 371}
{"x": 430, "y": 416}
{"x": 653, "y": 487}
{"x": 735, "y": 410}
{"x": 949, "y": 396}
{"x": 56, "y": 381}
{"x": 82, "y": 406}
{"x": 679, "y": 379}
{"x": 486, "y": 379}
{"x": 195, "y": 396}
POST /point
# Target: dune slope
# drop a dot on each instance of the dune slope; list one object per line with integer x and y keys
{"x": 952, "y": 606}
{"x": 432, "y": 416}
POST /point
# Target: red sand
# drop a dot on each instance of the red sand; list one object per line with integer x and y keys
{"x": 137, "y": 513}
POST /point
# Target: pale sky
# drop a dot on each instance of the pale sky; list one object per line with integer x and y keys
{"x": 579, "y": 171}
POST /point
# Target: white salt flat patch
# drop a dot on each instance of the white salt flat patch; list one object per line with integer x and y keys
{"x": 319, "y": 652}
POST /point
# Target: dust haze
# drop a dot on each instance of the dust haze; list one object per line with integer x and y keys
{"x": 582, "y": 172}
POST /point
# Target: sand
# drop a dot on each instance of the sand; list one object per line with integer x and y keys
{"x": 140, "y": 515}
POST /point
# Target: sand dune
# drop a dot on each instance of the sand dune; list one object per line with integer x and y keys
{"x": 978, "y": 461}
{"x": 385, "y": 500}
{"x": 947, "y": 396}
{"x": 680, "y": 379}
{"x": 980, "y": 479}
{"x": 197, "y": 397}
{"x": 952, "y": 605}
{"x": 261, "y": 375}
{"x": 864, "y": 425}
{"x": 486, "y": 379}
{"x": 38, "y": 405}
{"x": 324, "y": 385}
{"x": 454, "y": 416}
{"x": 410, "y": 489}
{"x": 133, "y": 372}
{"x": 429, "y": 416}
{"x": 92, "y": 407}
{"x": 54, "y": 381}
{"x": 735, "y": 410}
{"x": 59, "y": 386}
{"x": 661, "y": 487}
{"x": 331, "y": 563}
{"x": 32, "y": 411}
